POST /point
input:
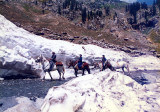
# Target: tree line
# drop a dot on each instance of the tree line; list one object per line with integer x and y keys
{"x": 147, "y": 11}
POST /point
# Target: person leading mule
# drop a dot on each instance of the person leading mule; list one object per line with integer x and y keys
{"x": 52, "y": 61}
{"x": 103, "y": 62}
{"x": 80, "y": 62}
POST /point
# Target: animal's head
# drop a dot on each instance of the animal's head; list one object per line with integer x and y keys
{"x": 72, "y": 63}
{"x": 69, "y": 64}
{"x": 39, "y": 59}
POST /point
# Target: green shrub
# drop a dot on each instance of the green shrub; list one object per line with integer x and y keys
{"x": 155, "y": 36}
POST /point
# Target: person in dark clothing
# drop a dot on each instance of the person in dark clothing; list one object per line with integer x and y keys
{"x": 52, "y": 61}
{"x": 80, "y": 62}
{"x": 103, "y": 62}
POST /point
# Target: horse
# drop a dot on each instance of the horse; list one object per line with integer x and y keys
{"x": 117, "y": 65}
{"x": 74, "y": 64}
{"x": 106, "y": 65}
{"x": 46, "y": 64}
{"x": 113, "y": 66}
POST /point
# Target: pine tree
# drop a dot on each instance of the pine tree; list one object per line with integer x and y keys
{"x": 88, "y": 16}
{"x": 72, "y": 4}
{"x": 59, "y": 10}
{"x": 107, "y": 11}
{"x": 84, "y": 15}
{"x": 146, "y": 16}
{"x": 154, "y": 8}
{"x": 135, "y": 17}
{"x": 126, "y": 9}
{"x": 76, "y": 6}
{"x": 144, "y": 6}
{"x": 158, "y": 3}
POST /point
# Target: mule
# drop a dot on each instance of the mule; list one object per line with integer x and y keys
{"x": 113, "y": 66}
{"x": 118, "y": 65}
{"x": 46, "y": 64}
{"x": 74, "y": 64}
{"x": 107, "y": 64}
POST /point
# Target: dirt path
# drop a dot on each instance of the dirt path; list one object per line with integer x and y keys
{"x": 27, "y": 87}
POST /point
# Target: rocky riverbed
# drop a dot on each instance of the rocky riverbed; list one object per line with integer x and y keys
{"x": 31, "y": 88}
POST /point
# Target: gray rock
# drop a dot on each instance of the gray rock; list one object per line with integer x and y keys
{"x": 125, "y": 50}
{"x": 132, "y": 47}
{"x": 126, "y": 39}
{"x": 85, "y": 38}
{"x": 158, "y": 55}
{"x": 76, "y": 37}
{"x": 153, "y": 50}
{"x": 39, "y": 33}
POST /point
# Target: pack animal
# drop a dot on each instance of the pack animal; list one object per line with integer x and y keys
{"x": 118, "y": 65}
{"x": 74, "y": 64}
{"x": 45, "y": 66}
{"x": 113, "y": 66}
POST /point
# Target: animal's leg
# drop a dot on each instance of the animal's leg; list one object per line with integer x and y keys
{"x": 76, "y": 71}
{"x": 83, "y": 71}
{"x": 50, "y": 75}
{"x": 102, "y": 67}
{"x": 88, "y": 70}
{"x": 59, "y": 75}
{"x": 63, "y": 73}
{"x": 123, "y": 69}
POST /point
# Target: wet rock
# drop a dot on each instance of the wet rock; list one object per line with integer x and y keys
{"x": 126, "y": 39}
{"x": 153, "y": 50}
{"x": 132, "y": 47}
{"x": 71, "y": 39}
{"x": 112, "y": 29}
{"x": 76, "y": 37}
{"x": 33, "y": 99}
{"x": 17, "y": 24}
{"x": 158, "y": 55}
{"x": 85, "y": 38}
{"x": 39, "y": 33}
{"x": 64, "y": 33}
{"x": 1, "y": 104}
{"x": 125, "y": 50}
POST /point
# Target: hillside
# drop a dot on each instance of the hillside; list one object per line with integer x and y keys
{"x": 115, "y": 33}
{"x": 105, "y": 91}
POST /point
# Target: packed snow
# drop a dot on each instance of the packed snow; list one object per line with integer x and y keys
{"x": 105, "y": 91}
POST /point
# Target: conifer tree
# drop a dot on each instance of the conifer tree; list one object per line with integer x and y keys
{"x": 59, "y": 10}
{"x": 84, "y": 15}
{"x": 158, "y": 3}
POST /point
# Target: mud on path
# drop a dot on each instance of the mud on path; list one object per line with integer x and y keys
{"x": 27, "y": 87}
{"x": 31, "y": 88}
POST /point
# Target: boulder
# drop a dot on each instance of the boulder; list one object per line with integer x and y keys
{"x": 153, "y": 50}
{"x": 125, "y": 50}
{"x": 76, "y": 37}
{"x": 158, "y": 55}
{"x": 39, "y": 33}
{"x": 126, "y": 39}
{"x": 131, "y": 47}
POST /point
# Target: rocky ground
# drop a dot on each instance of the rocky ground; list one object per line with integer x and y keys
{"x": 31, "y": 88}
{"x": 55, "y": 27}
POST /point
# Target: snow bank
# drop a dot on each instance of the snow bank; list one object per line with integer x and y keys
{"x": 26, "y": 105}
{"x": 102, "y": 92}
{"x": 19, "y": 49}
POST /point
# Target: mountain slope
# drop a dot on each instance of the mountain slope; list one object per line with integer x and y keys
{"x": 102, "y": 91}
{"x": 53, "y": 26}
